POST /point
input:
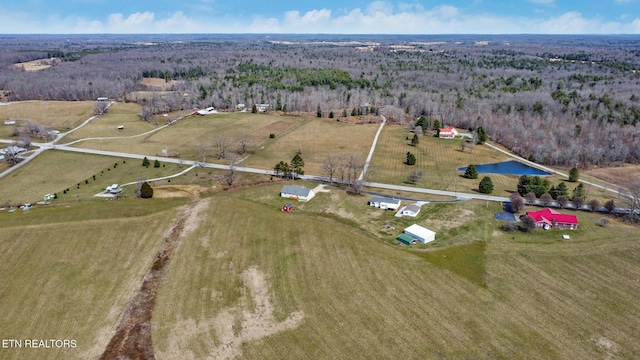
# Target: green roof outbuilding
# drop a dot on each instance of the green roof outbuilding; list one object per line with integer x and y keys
{"x": 405, "y": 239}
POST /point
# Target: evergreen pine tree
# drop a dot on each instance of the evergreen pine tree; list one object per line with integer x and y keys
{"x": 482, "y": 134}
{"x": 471, "y": 172}
{"x": 146, "y": 191}
{"x": 296, "y": 164}
{"x": 415, "y": 141}
{"x": 574, "y": 174}
{"x": 486, "y": 185}
{"x": 411, "y": 159}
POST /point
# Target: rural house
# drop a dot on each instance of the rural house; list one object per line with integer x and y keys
{"x": 207, "y": 111}
{"x": 114, "y": 189}
{"x": 384, "y": 203}
{"x": 548, "y": 218}
{"x": 412, "y": 210}
{"x": 448, "y": 133}
{"x": 419, "y": 233}
{"x": 297, "y": 192}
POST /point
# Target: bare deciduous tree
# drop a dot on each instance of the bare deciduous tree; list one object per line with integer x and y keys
{"x": 546, "y": 199}
{"x": 577, "y": 201}
{"x": 231, "y": 177}
{"x": 145, "y": 113}
{"x": 100, "y": 107}
{"x": 203, "y": 149}
{"x": 222, "y": 143}
{"x": 516, "y": 203}
{"x": 329, "y": 167}
{"x": 246, "y": 142}
{"x": 562, "y": 201}
{"x": 528, "y": 223}
{"x": 631, "y": 193}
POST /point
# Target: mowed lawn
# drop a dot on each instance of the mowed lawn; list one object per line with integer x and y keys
{"x": 119, "y": 114}
{"x": 440, "y": 159}
{"x": 84, "y": 175}
{"x": 61, "y": 115}
{"x": 315, "y": 138}
{"x": 68, "y": 271}
{"x": 335, "y": 291}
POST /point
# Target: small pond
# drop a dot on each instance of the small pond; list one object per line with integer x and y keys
{"x": 507, "y": 167}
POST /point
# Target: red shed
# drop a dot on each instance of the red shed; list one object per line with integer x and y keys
{"x": 287, "y": 207}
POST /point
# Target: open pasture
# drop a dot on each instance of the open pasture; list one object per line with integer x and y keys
{"x": 35, "y": 65}
{"x": 322, "y": 281}
{"x": 60, "y": 115}
{"x": 184, "y": 136}
{"x": 119, "y": 114}
{"x": 69, "y": 271}
{"x": 297, "y": 285}
{"x": 316, "y": 138}
{"x": 158, "y": 83}
{"x": 440, "y": 159}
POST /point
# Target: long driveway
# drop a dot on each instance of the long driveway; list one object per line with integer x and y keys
{"x": 550, "y": 170}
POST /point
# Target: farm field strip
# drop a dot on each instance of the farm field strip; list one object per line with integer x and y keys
{"x": 316, "y": 139}
{"x": 349, "y": 286}
{"x": 80, "y": 274}
{"x": 61, "y": 115}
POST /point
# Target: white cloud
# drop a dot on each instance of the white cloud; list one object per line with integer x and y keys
{"x": 379, "y": 17}
{"x": 133, "y": 23}
{"x": 310, "y": 18}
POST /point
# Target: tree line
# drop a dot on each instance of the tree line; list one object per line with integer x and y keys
{"x": 533, "y": 95}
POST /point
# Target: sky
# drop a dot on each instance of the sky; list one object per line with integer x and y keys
{"x": 320, "y": 17}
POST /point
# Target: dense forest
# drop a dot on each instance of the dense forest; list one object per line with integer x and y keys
{"x": 557, "y": 100}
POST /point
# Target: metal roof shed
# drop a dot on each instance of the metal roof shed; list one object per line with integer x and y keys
{"x": 405, "y": 239}
{"x": 420, "y": 233}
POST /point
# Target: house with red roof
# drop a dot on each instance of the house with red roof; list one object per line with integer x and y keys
{"x": 548, "y": 218}
{"x": 448, "y": 133}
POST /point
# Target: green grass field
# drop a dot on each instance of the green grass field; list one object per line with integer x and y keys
{"x": 55, "y": 171}
{"x": 440, "y": 159}
{"x": 67, "y": 272}
{"x": 362, "y": 296}
{"x": 327, "y": 280}
{"x": 61, "y": 115}
{"x": 323, "y": 281}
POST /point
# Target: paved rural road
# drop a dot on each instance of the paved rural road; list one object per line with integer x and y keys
{"x": 66, "y": 147}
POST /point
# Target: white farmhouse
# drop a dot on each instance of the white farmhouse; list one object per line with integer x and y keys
{"x": 385, "y": 203}
{"x": 448, "y": 133}
{"x": 297, "y": 192}
{"x": 411, "y": 210}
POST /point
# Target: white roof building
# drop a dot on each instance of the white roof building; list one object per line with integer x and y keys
{"x": 297, "y": 192}
{"x": 384, "y": 203}
{"x": 420, "y": 233}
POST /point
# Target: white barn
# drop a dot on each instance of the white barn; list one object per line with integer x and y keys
{"x": 385, "y": 203}
{"x": 420, "y": 233}
{"x": 297, "y": 192}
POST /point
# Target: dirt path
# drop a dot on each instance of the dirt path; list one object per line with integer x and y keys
{"x": 132, "y": 339}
